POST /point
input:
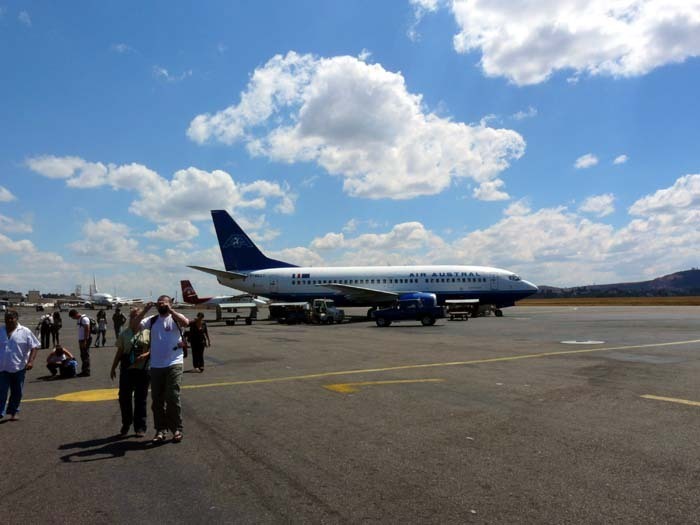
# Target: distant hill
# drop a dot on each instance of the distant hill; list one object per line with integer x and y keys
{"x": 676, "y": 284}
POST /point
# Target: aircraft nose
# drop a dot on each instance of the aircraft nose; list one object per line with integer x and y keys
{"x": 530, "y": 286}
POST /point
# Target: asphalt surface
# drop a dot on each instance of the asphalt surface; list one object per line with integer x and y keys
{"x": 493, "y": 420}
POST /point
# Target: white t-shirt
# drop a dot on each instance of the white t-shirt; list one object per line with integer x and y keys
{"x": 14, "y": 352}
{"x": 82, "y": 323}
{"x": 165, "y": 337}
{"x": 57, "y": 359}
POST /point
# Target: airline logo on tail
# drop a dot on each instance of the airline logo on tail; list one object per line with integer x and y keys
{"x": 188, "y": 293}
{"x": 237, "y": 241}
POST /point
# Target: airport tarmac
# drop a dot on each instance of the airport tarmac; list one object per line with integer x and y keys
{"x": 494, "y": 420}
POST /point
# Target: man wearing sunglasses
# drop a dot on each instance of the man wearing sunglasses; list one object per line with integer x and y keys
{"x": 18, "y": 348}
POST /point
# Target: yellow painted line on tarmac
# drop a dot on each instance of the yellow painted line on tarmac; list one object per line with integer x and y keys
{"x": 37, "y": 399}
{"x": 351, "y": 388}
{"x": 82, "y": 396}
{"x": 673, "y": 400}
{"x": 85, "y": 395}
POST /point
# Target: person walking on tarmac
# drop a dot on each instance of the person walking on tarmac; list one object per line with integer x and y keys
{"x": 44, "y": 327}
{"x": 118, "y": 320}
{"x": 134, "y": 375}
{"x": 198, "y": 336}
{"x": 101, "y": 328}
{"x": 56, "y": 328}
{"x": 84, "y": 340}
{"x": 18, "y": 349}
{"x": 167, "y": 357}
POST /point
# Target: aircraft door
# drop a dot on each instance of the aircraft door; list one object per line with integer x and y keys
{"x": 274, "y": 284}
{"x": 493, "y": 279}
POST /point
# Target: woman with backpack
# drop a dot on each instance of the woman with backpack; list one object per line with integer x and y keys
{"x": 133, "y": 351}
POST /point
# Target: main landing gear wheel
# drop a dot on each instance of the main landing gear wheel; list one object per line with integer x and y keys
{"x": 498, "y": 313}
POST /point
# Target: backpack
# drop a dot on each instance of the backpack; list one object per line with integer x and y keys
{"x": 93, "y": 324}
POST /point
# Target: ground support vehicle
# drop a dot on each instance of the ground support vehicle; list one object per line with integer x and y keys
{"x": 289, "y": 313}
{"x": 418, "y": 306}
{"x": 232, "y": 312}
{"x": 487, "y": 309}
{"x": 459, "y": 314}
{"x": 324, "y": 311}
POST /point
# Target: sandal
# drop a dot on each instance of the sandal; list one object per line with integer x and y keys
{"x": 159, "y": 437}
{"x": 177, "y": 436}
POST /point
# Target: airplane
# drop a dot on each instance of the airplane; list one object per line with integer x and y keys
{"x": 189, "y": 295}
{"x": 249, "y": 270}
{"x": 95, "y": 298}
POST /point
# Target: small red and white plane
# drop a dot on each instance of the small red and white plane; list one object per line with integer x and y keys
{"x": 189, "y": 295}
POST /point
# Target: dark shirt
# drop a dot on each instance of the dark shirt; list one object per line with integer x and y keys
{"x": 197, "y": 334}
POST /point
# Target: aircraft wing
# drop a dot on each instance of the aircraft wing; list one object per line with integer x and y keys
{"x": 357, "y": 293}
{"x": 130, "y": 300}
{"x": 220, "y": 273}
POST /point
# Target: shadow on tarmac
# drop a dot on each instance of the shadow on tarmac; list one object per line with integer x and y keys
{"x": 111, "y": 447}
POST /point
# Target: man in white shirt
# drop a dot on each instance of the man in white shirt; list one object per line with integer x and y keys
{"x": 18, "y": 348}
{"x": 167, "y": 357}
{"x": 84, "y": 341}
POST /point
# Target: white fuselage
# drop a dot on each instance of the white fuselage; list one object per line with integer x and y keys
{"x": 101, "y": 299}
{"x": 489, "y": 285}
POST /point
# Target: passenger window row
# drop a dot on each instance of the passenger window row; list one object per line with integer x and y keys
{"x": 390, "y": 281}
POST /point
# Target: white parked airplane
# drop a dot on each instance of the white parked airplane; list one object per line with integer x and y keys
{"x": 95, "y": 298}
{"x": 249, "y": 270}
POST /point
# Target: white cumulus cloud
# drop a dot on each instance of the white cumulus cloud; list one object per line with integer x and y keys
{"x": 554, "y": 246}
{"x": 599, "y": 205}
{"x": 6, "y": 195}
{"x": 189, "y": 195}
{"x": 520, "y": 207}
{"x": 174, "y": 231}
{"x": 357, "y": 121}
{"x": 527, "y": 41}
{"x": 586, "y": 161}
{"x": 490, "y": 191}
{"x": 620, "y": 159}
{"x": 10, "y": 225}
{"x": 684, "y": 195}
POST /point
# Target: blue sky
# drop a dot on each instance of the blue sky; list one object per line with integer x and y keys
{"x": 555, "y": 139}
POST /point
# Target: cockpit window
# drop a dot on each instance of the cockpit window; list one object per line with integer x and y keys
{"x": 513, "y": 277}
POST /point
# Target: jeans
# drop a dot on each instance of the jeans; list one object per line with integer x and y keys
{"x": 165, "y": 397}
{"x": 55, "y": 335}
{"x": 45, "y": 337}
{"x": 14, "y": 382}
{"x": 133, "y": 397}
{"x": 85, "y": 356}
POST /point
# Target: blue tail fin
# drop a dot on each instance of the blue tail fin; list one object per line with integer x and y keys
{"x": 239, "y": 252}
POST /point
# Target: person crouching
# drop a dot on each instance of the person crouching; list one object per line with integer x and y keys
{"x": 61, "y": 362}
